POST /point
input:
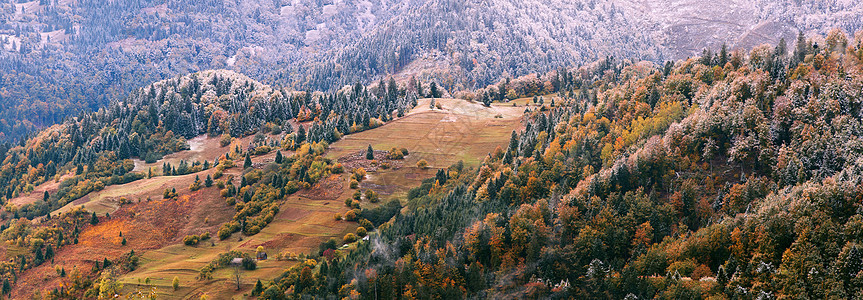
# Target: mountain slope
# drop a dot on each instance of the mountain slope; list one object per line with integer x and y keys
{"x": 64, "y": 57}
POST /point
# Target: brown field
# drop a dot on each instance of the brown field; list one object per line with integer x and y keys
{"x": 461, "y": 130}
{"x": 155, "y": 228}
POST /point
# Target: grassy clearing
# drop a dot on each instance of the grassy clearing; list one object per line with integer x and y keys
{"x": 459, "y": 131}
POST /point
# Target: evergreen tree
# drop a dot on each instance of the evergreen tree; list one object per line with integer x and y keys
{"x": 723, "y": 55}
{"x": 259, "y": 288}
{"x": 209, "y": 181}
{"x": 301, "y": 134}
{"x": 800, "y": 50}
{"x": 370, "y": 153}
{"x": 247, "y": 163}
{"x": 278, "y": 156}
{"x": 45, "y": 196}
{"x": 433, "y": 90}
{"x": 94, "y": 219}
{"x": 6, "y": 286}
{"x": 39, "y": 258}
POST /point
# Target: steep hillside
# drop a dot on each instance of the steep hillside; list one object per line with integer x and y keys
{"x": 145, "y": 235}
{"x": 735, "y": 177}
{"x": 114, "y": 161}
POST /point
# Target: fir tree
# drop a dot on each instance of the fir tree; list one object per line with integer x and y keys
{"x": 433, "y": 90}
{"x": 370, "y": 153}
{"x": 94, "y": 219}
{"x": 247, "y": 163}
{"x": 259, "y": 287}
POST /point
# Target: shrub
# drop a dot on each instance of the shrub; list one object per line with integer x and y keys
{"x": 361, "y": 231}
{"x": 372, "y": 196}
{"x": 354, "y": 183}
{"x": 225, "y": 140}
{"x": 351, "y": 215}
{"x": 359, "y": 174}
{"x": 395, "y": 154}
{"x": 224, "y": 233}
{"x": 337, "y": 168}
{"x": 422, "y": 164}
{"x": 366, "y": 224}
{"x": 191, "y": 240}
{"x": 337, "y": 217}
{"x": 350, "y": 238}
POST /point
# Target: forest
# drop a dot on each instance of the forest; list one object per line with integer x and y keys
{"x": 730, "y": 175}
{"x": 59, "y": 59}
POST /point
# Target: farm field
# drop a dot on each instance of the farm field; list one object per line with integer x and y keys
{"x": 461, "y": 130}
{"x": 155, "y": 227}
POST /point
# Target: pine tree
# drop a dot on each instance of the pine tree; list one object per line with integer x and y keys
{"x": 279, "y": 157}
{"x": 723, "y": 55}
{"x": 39, "y": 258}
{"x": 301, "y": 134}
{"x": 45, "y": 196}
{"x": 94, "y": 219}
{"x": 370, "y": 153}
{"x": 248, "y": 162}
{"x": 433, "y": 90}
{"x": 209, "y": 181}
{"x": 800, "y": 49}
{"x": 259, "y": 287}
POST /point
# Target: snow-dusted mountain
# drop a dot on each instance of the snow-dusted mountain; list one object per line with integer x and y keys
{"x": 61, "y": 56}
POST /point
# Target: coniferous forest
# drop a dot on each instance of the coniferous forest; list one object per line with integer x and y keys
{"x": 431, "y": 150}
